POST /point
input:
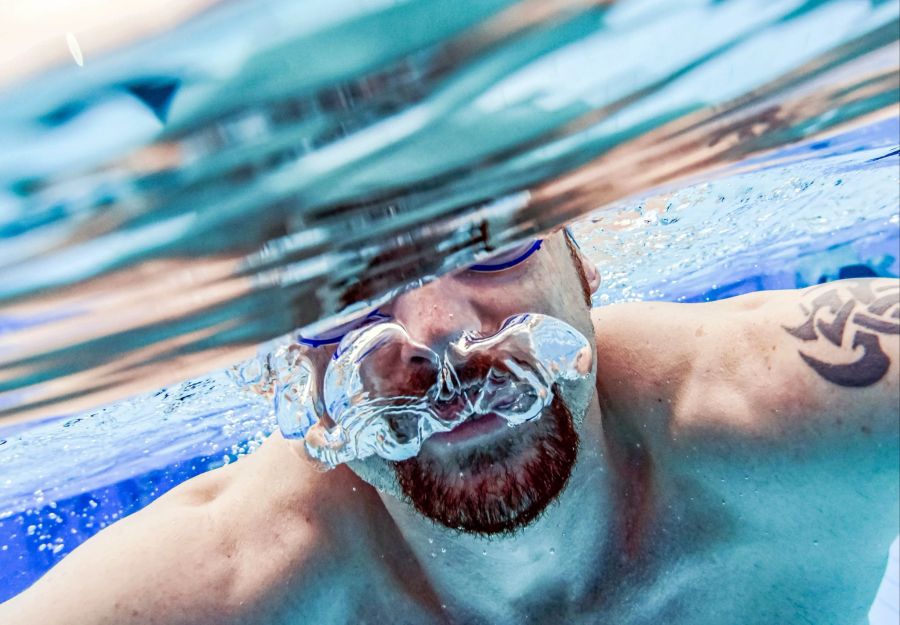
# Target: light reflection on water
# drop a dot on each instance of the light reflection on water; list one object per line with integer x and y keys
{"x": 165, "y": 208}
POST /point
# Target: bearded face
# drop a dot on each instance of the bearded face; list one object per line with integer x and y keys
{"x": 496, "y": 479}
{"x": 477, "y": 471}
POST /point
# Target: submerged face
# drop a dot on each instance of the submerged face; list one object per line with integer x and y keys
{"x": 484, "y": 476}
{"x": 487, "y": 478}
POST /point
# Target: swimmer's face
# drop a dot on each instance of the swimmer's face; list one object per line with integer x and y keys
{"x": 483, "y": 476}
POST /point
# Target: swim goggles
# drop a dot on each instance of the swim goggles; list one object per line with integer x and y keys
{"x": 499, "y": 262}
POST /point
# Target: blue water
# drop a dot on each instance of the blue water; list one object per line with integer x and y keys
{"x": 297, "y": 140}
{"x": 816, "y": 212}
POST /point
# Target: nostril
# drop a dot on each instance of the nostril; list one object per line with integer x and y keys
{"x": 420, "y": 373}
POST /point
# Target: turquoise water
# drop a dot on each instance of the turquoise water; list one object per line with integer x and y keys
{"x": 170, "y": 208}
{"x": 825, "y": 210}
{"x": 263, "y": 153}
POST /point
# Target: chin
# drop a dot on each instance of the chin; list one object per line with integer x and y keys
{"x": 490, "y": 480}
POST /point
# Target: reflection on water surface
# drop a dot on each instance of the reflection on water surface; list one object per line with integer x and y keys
{"x": 208, "y": 184}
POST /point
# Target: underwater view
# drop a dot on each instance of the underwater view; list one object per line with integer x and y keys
{"x": 291, "y": 330}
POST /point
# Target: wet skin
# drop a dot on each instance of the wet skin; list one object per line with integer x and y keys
{"x": 737, "y": 464}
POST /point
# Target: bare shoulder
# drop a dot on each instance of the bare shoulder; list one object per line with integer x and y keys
{"x": 773, "y": 417}
{"x": 644, "y": 352}
{"x": 213, "y": 550}
{"x": 816, "y": 364}
{"x": 816, "y": 367}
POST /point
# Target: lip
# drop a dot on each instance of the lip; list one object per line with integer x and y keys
{"x": 472, "y": 429}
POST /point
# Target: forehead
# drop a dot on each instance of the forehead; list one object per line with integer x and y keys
{"x": 545, "y": 283}
{"x": 539, "y": 266}
{"x": 533, "y": 272}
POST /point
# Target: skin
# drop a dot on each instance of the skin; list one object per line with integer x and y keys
{"x": 721, "y": 478}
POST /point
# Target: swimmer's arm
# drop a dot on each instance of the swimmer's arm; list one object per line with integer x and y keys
{"x": 795, "y": 394}
{"x": 818, "y": 365}
{"x": 762, "y": 444}
{"x": 146, "y": 568}
{"x": 211, "y": 552}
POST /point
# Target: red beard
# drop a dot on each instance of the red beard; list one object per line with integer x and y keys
{"x": 495, "y": 489}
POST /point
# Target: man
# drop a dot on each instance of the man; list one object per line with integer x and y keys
{"x": 737, "y": 463}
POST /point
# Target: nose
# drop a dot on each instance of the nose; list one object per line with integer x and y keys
{"x": 434, "y": 315}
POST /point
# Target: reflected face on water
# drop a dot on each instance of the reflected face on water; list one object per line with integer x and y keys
{"x": 484, "y": 476}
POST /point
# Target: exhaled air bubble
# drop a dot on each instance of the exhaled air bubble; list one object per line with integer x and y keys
{"x": 374, "y": 408}
{"x": 296, "y": 398}
{"x": 367, "y": 394}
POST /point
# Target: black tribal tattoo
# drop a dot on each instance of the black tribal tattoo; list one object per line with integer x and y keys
{"x": 851, "y": 318}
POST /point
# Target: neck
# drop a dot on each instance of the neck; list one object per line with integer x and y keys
{"x": 558, "y": 557}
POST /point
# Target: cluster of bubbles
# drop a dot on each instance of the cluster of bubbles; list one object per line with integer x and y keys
{"x": 354, "y": 411}
{"x": 798, "y": 218}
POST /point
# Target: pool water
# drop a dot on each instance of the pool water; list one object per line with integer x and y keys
{"x": 266, "y": 151}
{"x": 813, "y": 213}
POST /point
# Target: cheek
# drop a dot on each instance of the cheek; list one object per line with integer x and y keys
{"x": 551, "y": 291}
{"x": 556, "y": 291}
{"x": 378, "y": 473}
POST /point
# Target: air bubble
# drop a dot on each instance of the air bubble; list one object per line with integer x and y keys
{"x": 533, "y": 354}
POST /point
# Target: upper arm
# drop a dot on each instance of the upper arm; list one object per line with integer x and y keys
{"x": 146, "y": 568}
{"x": 784, "y": 404}
{"x": 775, "y": 413}
{"x": 217, "y": 549}
{"x": 818, "y": 366}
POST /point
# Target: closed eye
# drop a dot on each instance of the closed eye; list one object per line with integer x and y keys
{"x": 507, "y": 260}
{"x": 334, "y": 335}
{"x": 497, "y": 263}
